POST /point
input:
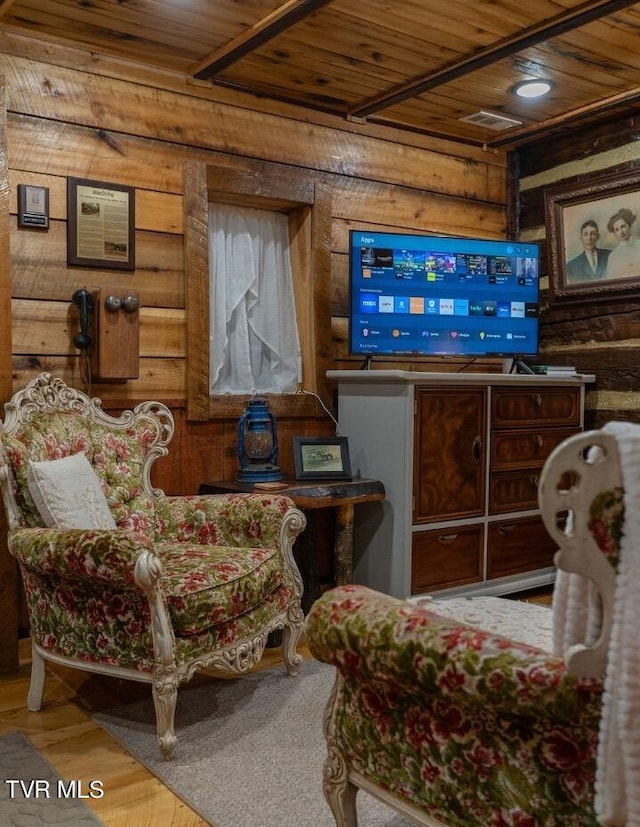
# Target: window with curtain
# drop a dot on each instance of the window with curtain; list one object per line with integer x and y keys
{"x": 254, "y": 344}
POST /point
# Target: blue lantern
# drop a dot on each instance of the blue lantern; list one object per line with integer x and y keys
{"x": 257, "y": 443}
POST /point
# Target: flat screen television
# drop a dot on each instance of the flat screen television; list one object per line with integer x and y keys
{"x": 425, "y": 295}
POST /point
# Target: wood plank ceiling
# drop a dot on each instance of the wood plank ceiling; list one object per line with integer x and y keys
{"x": 419, "y": 65}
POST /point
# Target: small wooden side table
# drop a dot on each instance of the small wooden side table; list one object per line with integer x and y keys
{"x": 341, "y": 495}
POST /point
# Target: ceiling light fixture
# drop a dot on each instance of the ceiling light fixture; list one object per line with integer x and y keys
{"x": 533, "y": 88}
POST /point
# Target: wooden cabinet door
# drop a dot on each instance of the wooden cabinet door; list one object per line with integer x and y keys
{"x": 449, "y": 453}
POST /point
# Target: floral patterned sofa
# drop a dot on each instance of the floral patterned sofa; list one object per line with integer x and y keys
{"x": 123, "y": 580}
{"x": 459, "y": 712}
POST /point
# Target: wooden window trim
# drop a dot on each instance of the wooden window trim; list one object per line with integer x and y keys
{"x": 308, "y": 204}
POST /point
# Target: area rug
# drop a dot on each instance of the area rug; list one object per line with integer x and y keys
{"x": 250, "y": 751}
{"x": 32, "y": 793}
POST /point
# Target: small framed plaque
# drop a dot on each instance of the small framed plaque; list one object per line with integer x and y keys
{"x": 33, "y": 206}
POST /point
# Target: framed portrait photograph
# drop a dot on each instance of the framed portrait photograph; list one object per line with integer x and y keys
{"x": 322, "y": 458}
{"x": 593, "y": 235}
{"x": 100, "y": 224}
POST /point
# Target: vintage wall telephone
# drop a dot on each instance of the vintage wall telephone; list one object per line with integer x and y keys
{"x": 109, "y": 331}
{"x": 83, "y": 300}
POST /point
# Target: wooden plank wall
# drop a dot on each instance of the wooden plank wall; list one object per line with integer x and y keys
{"x": 599, "y": 337}
{"x": 72, "y": 113}
{"x": 75, "y": 113}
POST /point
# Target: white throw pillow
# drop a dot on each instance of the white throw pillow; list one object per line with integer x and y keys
{"x": 68, "y": 494}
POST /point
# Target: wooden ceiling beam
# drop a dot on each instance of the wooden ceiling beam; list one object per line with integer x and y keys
{"x": 4, "y": 6}
{"x": 518, "y": 137}
{"x": 572, "y": 119}
{"x": 282, "y": 18}
{"x": 545, "y": 30}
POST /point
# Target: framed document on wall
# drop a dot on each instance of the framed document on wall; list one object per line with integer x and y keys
{"x": 100, "y": 224}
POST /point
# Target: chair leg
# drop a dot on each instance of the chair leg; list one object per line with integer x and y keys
{"x": 290, "y": 639}
{"x": 339, "y": 792}
{"x": 36, "y": 687}
{"x": 165, "y": 698}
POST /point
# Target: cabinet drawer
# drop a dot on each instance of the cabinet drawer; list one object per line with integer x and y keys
{"x": 514, "y": 490}
{"x": 518, "y": 546}
{"x": 525, "y": 449}
{"x": 536, "y": 405}
{"x": 446, "y": 557}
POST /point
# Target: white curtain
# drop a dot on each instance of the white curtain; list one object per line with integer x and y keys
{"x": 254, "y": 343}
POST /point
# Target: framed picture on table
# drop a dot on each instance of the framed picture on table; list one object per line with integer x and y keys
{"x": 321, "y": 458}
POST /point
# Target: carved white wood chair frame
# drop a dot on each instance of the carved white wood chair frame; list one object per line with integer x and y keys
{"x": 348, "y": 626}
{"x": 171, "y": 658}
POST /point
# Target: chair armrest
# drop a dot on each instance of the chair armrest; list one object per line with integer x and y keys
{"x": 239, "y": 520}
{"x": 372, "y": 637}
{"x": 105, "y": 556}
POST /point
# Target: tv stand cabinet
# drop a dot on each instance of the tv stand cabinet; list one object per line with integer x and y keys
{"x": 459, "y": 456}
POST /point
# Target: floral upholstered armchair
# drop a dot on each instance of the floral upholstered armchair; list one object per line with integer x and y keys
{"x": 123, "y": 580}
{"x": 490, "y": 712}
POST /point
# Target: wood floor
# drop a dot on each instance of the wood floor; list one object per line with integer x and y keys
{"x": 65, "y": 733}
{"x": 78, "y": 748}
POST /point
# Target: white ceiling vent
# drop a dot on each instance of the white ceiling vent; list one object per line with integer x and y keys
{"x": 491, "y": 121}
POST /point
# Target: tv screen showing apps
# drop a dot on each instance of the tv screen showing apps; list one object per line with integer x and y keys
{"x": 421, "y": 295}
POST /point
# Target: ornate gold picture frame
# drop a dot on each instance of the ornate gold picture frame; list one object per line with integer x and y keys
{"x": 593, "y": 234}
